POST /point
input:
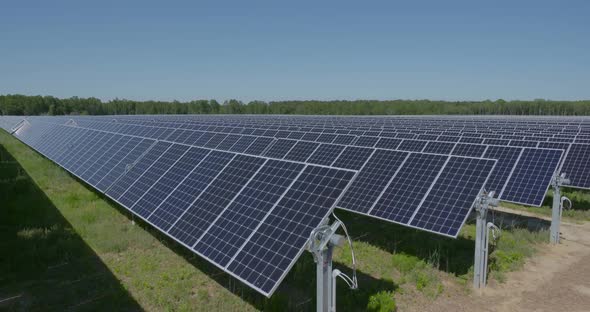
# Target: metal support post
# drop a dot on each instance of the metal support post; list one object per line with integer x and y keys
{"x": 20, "y": 125}
{"x": 482, "y": 229}
{"x": 556, "y": 183}
{"x": 71, "y": 122}
{"x": 321, "y": 245}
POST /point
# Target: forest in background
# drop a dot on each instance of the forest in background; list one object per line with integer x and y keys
{"x": 15, "y": 104}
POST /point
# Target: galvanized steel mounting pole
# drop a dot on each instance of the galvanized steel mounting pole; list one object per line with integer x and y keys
{"x": 556, "y": 183}
{"x": 321, "y": 245}
{"x": 482, "y": 231}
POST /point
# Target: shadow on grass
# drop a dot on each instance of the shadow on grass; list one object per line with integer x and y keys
{"x": 44, "y": 264}
{"x": 450, "y": 255}
{"x": 512, "y": 221}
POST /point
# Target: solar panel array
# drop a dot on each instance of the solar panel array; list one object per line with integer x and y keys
{"x": 542, "y": 132}
{"x": 281, "y": 140}
{"x": 249, "y": 202}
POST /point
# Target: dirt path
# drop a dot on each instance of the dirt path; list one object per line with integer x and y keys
{"x": 556, "y": 279}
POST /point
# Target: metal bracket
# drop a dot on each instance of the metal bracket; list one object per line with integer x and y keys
{"x": 19, "y": 125}
{"x": 556, "y": 183}
{"x": 495, "y": 233}
{"x": 321, "y": 245}
{"x": 482, "y": 231}
{"x": 71, "y": 122}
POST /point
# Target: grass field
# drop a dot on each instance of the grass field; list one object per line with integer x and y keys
{"x": 64, "y": 246}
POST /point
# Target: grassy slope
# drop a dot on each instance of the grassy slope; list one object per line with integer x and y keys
{"x": 87, "y": 238}
{"x": 83, "y": 236}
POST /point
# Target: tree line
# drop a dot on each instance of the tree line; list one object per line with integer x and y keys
{"x": 16, "y": 104}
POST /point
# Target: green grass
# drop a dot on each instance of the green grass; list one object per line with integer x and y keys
{"x": 64, "y": 246}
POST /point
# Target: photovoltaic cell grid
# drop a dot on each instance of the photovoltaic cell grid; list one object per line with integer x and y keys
{"x": 443, "y": 209}
{"x": 537, "y": 170}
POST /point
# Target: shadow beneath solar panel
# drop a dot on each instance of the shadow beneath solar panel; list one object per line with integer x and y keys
{"x": 450, "y": 255}
{"x": 511, "y": 221}
{"x": 44, "y": 264}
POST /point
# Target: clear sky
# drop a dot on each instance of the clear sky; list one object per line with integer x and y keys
{"x": 449, "y": 50}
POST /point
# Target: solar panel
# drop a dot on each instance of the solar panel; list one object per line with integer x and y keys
{"x": 388, "y": 143}
{"x": 302, "y": 151}
{"x": 124, "y": 157}
{"x": 406, "y": 189}
{"x": 237, "y": 222}
{"x": 439, "y": 147}
{"x": 280, "y": 148}
{"x": 353, "y": 157}
{"x": 187, "y": 191}
{"x": 412, "y": 145}
{"x": 163, "y": 188}
{"x": 149, "y": 177}
{"x": 576, "y": 165}
{"x": 135, "y": 170}
{"x": 217, "y": 195}
{"x": 507, "y": 158}
{"x": 372, "y": 180}
{"x": 366, "y": 141}
{"x": 532, "y": 169}
{"x": 472, "y": 150}
{"x": 271, "y": 251}
{"x": 325, "y": 154}
{"x": 259, "y": 145}
{"x": 242, "y": 144}
{"x": 447, "y": 205}
{"x": 344, "y": 139}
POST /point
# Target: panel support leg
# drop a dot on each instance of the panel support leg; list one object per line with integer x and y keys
{"x": 556, "y": 183}
{"x": 321, "y": 245}
{"x": 482, "y": 229}
{"x": 23, "y": 123}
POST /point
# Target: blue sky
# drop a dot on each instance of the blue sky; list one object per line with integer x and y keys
{"x": 276, "y": 50}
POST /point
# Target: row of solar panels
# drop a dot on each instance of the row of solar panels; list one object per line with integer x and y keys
{"x": 337, "y": 135}
{"x": 251, "y": 215}
{"x": 442, "y": 135}
{"x": 384, "y": 122}
{"x": 522, "y": 175}
{"x": 575, "y": 161}
{"x": 442, "y": 129}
